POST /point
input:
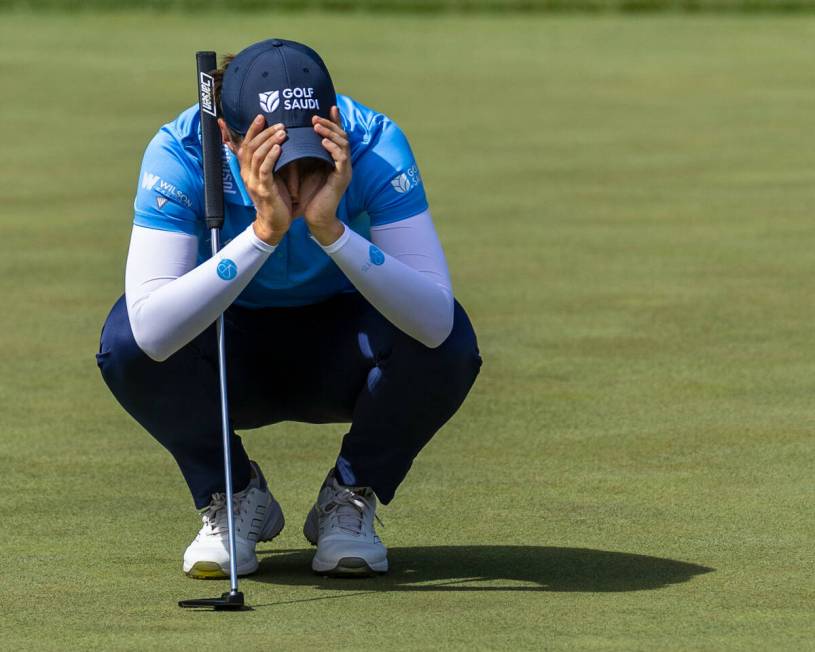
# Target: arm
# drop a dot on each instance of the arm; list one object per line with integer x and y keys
{"x": 408, "y": 283}
{"x": 170, "y": 301}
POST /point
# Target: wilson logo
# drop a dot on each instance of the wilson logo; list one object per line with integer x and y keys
{"x": 149, "y": 180}
{"x": 269, "y": 101}
{"x": 171, "y": 192}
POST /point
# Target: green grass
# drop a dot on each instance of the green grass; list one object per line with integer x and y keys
{"x": 626, "y": 205}
{"x": 426, "y": 6}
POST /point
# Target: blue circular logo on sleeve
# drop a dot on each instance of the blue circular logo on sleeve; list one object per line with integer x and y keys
{"x": 227, "y": 269}
{"x": 376, "y": 256}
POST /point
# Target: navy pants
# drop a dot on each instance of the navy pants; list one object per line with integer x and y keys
{"x": 334, "y": 362}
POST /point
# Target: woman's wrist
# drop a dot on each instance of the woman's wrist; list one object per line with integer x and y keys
{"x": 267, "y": 234}
{"x": 327, "y": 234}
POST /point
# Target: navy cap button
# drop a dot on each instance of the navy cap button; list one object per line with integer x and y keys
{"x": 277, "y": 43}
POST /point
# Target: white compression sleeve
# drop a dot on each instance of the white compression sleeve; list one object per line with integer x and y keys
{"x": 409, "y": 284}
{"x": 169, "y": 300}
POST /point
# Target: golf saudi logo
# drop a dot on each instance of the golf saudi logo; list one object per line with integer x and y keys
{"x": 407, "y": 180}
{"x": 293, "y": 98}
{"x": 227, "y": 269}
{"x": 269, "y": 101}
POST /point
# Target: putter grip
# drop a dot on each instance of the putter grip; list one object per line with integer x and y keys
{"x": 210, "y": 141}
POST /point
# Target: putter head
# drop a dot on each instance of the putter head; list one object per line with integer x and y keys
{"x": 227, "y": 602}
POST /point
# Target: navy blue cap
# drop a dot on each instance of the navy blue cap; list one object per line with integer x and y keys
{"x": 287, "y": 82}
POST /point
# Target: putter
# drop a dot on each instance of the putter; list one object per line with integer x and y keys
{"x": 214, "y": 214}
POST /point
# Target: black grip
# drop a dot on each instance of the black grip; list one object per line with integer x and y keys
{"x": 210, "y": 141}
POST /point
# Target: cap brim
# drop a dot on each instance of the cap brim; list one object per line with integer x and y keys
{"x": 302, "y": 142}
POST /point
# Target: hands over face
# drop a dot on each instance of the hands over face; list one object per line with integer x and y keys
{"x": 320, "y": 193}
{"x": 321, "y": 210}
{"x": 257, "y": 156}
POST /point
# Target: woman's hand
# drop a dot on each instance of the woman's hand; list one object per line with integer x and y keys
{"x": 321, "y": 211}
{"x": 257, "y": 156}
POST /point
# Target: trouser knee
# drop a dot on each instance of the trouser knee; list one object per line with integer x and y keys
{"x": 119, "y": 356}
{"x": 455, "y": 363}
{"x": 461, "y": 349}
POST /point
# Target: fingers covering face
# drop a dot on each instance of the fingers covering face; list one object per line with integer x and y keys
{"x": 261, "y": 147}
{"x": 336, "y": 135}
{"x": 335, "y": 140}
{"x": 267, "y": 164}
{"x": 334, "y": 123}
{"x": 266, "y": 149}
{"x": 337, "y": 152}
{"x": 257, "y": 137}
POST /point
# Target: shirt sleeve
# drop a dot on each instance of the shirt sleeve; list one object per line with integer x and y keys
{"x": 168, "y": 197}
{"x": 406, "y": 280}
{"x": 169, "y": 300}
{"x": 393, "y": 186}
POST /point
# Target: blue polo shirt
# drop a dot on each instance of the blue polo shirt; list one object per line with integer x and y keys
{"x": 385, "y": 187}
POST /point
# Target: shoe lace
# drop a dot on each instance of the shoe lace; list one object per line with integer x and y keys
{"x": 215, "y": 514}
{"x": 349, "y": 510}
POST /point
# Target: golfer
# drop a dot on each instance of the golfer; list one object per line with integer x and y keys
{"x": 337, "y": 299}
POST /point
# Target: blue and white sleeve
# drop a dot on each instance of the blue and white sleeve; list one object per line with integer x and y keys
{"x": 392, "y": 186}
{"x": 169, "y": 193}
{"x": 403, "y": 273}
{"x": 170, "y": 301}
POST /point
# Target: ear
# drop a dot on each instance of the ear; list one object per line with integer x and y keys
{"x": 226, "y": 137}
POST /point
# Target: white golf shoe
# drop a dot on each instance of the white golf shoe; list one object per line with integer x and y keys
{"x": 258, "y": 517}
{"x": 341, "y": 525}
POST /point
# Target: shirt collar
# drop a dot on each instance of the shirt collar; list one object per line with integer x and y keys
{"x": 234, "y": 190}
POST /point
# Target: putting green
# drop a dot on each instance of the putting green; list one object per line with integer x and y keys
{"x": 626, "y": 204}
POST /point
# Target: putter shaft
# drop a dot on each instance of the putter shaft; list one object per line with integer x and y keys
{"x": 226, "y": 432}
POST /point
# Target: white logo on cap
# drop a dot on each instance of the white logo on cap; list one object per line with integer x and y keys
{"x": 299, "y": 98}
{"x": 293, "y": 98}
{"x": 269, "y": 100}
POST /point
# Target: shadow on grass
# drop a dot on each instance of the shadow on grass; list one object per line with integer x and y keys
{"x": 488, "y": 568}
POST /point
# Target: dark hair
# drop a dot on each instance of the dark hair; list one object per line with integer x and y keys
{"x": 218, "y": 77}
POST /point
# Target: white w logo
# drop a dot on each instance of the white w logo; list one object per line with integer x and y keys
{"x": 149, "y": 180}
{"x": 269, "y": 101}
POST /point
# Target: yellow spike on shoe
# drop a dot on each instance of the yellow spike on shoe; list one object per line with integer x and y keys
{"x": 206, "y": 570}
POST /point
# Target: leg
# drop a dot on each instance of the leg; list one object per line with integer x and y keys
{"x": 411, "y": 391}
{"x": 337, "y": 361}
{"x": 341, "y": 361}
{"x": 403, "y": 393}
{"x": 348, "y": 363}
{"x": 176, "y": 401}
